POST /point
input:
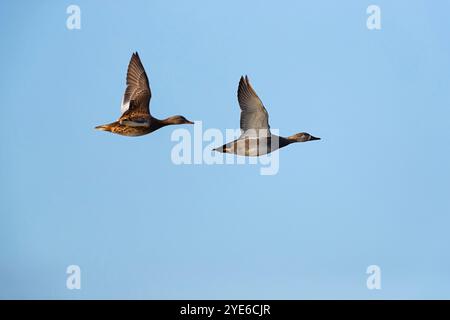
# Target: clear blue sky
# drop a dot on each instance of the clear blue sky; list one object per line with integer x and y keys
{"x": 375, "y": 190}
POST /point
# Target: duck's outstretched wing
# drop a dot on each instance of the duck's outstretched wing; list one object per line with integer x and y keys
{"x": 254, "y": 116}
{"x": 136, "y": 100}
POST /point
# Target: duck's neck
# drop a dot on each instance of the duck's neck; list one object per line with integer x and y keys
{"x": 284, "y": 141}
{"x": 157, "y": 123}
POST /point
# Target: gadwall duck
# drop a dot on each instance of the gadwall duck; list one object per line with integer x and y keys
{"x": 136, "y": 119}
{"x": 256, "y": 138}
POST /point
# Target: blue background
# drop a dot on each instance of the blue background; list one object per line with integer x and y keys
{"x": 375, "y": 190}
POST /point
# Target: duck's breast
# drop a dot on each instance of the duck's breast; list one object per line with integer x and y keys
{"x": 253, "y": 147}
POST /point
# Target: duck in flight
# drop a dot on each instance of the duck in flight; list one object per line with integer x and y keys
{"x": 136, "y": 119}
{"x": 256, "y": 138}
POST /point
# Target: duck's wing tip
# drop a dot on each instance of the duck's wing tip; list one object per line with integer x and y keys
{"x": 253, "y": 113}
{"x": 138, "y": 89}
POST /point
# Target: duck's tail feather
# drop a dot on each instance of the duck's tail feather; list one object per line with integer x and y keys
{"x": 220, "y": 149}
{"x": 103, "y": 127}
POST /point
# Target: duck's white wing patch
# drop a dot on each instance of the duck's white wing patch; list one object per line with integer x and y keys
{"x": 124, "y": 105}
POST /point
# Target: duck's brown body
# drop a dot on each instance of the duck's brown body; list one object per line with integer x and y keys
{"x": 125, "y": 130}
{"x": 136, "y": 119}
{"x": 118, "y": 127}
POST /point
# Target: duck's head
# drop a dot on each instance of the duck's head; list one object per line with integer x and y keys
{"x": 302, "y": 137}
{"x": 178, "y": 120}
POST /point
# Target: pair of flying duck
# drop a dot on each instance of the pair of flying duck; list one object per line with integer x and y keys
{"x": 255, "y": 139}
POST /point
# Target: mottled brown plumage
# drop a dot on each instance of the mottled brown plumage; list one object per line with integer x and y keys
{"x": 136, "y": 119}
